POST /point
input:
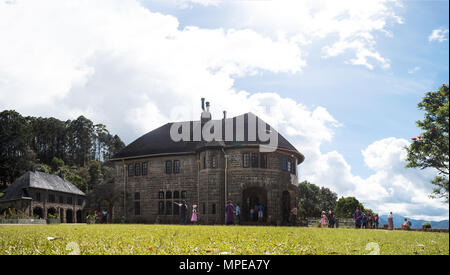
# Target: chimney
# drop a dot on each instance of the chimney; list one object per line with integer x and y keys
{"x": 203, "y": 103}
{"x": 224, "y": 114}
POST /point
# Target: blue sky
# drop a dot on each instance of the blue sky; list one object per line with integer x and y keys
{"x": 342, "y": 79}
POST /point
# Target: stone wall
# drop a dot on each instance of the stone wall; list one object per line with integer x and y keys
{"x": 204, "y": 186}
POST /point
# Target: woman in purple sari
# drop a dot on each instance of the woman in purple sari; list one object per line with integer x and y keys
{"x": 229, "y": 210}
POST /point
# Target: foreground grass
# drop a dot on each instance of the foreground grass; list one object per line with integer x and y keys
{"x": 210, "y": 240}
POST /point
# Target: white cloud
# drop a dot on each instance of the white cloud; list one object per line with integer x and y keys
{"x": 344, "y": 26}
{"x": 391, "y": 187}
{"x": 439, "y": 35}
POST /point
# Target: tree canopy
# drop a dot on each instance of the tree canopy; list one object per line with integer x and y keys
{"x": 431, "y": 148}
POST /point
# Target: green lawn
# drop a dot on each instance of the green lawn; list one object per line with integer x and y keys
{"x": 209, "y": 240}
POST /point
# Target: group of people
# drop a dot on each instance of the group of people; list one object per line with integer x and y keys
{"x": 366, "y": 221}
{"x": 233, "y": 213}
{"x": 101, "y": 216}
{"x": 329, "y": 216}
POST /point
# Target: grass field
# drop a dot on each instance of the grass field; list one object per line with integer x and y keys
{"x": 213, "y": 240}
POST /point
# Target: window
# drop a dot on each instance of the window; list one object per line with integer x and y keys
{"x": 69, "y": 200}
{"x": 176, "y": 166}
{"x": 137, "y": 196}
{"x": 246, "y": 160}
{"x": 51, "y": 198}
{"x": 38, "y": 196}
{"x": 137, "y": 208}
{"x": 168, "y": 208}
{"x": 161, "y": 208}
{"x": 176, "y": 194}
{"x": 61, "y": 199}
{"x": 203, "y": 208}
{"x": 183, "y": 194}
{"x": 80, "y": 202}
{"x": 204, "y": 162}
{"x": 284, "y": 163}
{"x": 213, "y": 208}
{"x": 168, "y": 166}
{"x": 130, "y": 170}
{"x": 168, "y": 195}
{"x": 263, "y": 160}
{"x": 137, "y": 169}
{"x": 176, "y": 209}
{"x": 293, "y": 167}
{"x": 214, "y": 162}
{"x": 161, "y": 195}
{"x": 144, "y": 168}
{"x": 289, "y": 165}
{"x": 255, "y": 160}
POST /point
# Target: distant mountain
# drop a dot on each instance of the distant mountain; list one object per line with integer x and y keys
{"x": 398, "y": 221}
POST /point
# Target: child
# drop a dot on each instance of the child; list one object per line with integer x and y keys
{"x": 322, "y": 220}
{"x": 252, "y": 213}
{"x": 194, "y": 214}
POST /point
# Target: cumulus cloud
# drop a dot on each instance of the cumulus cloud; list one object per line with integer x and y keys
{"x": 413, "y": 70}
{"x": 391, "y": 187}
{"x": 345, "y": 26}
{"x": 439, "y": 35}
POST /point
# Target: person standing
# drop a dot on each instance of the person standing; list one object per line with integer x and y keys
{"x": 194, "y": 214}
{"x": 331, "y": 218}
{"x": 377, "y": 220}
{"x": 390, "y": 222}
{"x": 183, "y": 211}
{"x": 229, "y": 211}
{"x": 104, "y": 216}
{"x": 238, "y": 214}
{"x": 357, "y": 218}
{"x": 322, "y": 220}
{"x": 260, "y": 213}
{"x": 293, "y": 216}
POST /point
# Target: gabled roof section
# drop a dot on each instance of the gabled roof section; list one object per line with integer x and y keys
{"x": 159, "y": 142}
{"x": 39, "y": 180}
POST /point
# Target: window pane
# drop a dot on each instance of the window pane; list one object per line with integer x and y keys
{"x": 137, "y": 196}
{"x": 255, "y": 160}
{"x": 161, "y": 208}
{"x": 176, "y": 194}
{"x": 144, "y": 168}
{"x": 168, "y": 166}
{"x": 246, "y": 160}
{"x": 176, "y": 166}
{"x": 284, "y": 163}
{"x": 168, "y": 195}
{"x": 214, "y": 162}
{"x": 138, "y": 169}
{"x": 168, "y": 208}
{"x": 161, "y": 195}
{"x": 183, "y": 194}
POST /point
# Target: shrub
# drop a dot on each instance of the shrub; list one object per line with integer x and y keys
{"x": 52, "y": 216}
{"x": 426, "y": 225}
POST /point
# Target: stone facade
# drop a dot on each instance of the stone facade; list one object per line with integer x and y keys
{"x": 207, "y": 178}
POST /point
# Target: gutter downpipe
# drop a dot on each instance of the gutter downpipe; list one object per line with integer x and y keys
{"x": 124, "y": 192}
{"x": 225, "y": 178}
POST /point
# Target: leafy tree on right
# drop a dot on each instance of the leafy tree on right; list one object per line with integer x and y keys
{"x": 431, "y": 148}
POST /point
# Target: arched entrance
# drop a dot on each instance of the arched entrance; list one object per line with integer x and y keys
{"x": 38, "y": 212}
{"x": 285, "y": 206}
{"x": 251, "y": 198}
{"x": 79, "y": 216}
{"x": 51, "y": 211}
{"x": 69, "y": 216}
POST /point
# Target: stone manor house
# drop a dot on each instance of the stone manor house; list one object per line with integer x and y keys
{"x": 155, "y": 171}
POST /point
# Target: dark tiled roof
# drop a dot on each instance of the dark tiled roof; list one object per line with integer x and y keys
{"x": 159, "y": 142}
{"x": 39, "y": 180}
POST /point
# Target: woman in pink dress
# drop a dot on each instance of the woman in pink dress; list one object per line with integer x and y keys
{"x": 194, "y": 214}
{"x": 322, "y": 220}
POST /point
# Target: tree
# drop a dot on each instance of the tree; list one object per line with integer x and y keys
{"x": 16, "y": 157}
{"x": 313, "y": 199}
{"x": 346, "y": 207}
{"x": 430, "y": 149}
